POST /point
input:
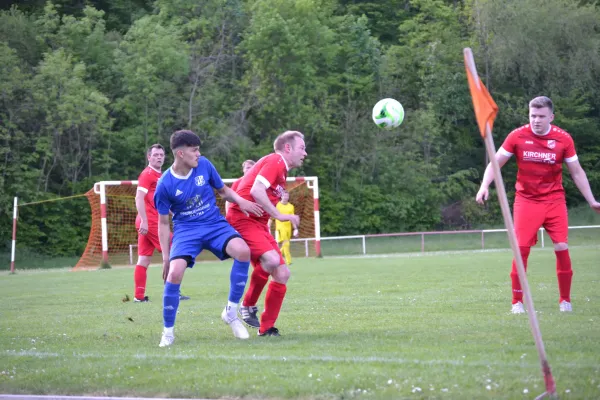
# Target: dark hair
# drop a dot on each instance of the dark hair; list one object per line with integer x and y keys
{"x": 155, "y": 146}
{"x": 542, "y": 102}
{"x": 184, "y": 138}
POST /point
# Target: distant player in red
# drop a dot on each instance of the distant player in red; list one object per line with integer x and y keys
{"x": 246, "y": 166}
{"x": 146, "y": 221}
{"x": 541, "y": 149}
{"x": 265, "y": 184}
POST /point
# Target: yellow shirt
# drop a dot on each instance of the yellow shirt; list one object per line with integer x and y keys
{"x": 284, "y": 209}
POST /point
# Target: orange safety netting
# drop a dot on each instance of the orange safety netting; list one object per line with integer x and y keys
{"x": 122, "y": 234}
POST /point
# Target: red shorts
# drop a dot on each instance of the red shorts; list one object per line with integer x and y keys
{"x": 256, "y": 235}
{"x": 148, "y": 242}
{"x": 530, "y": 217}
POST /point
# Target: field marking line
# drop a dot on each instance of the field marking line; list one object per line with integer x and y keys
{"x": 56, "y": 397}
{"x": 289, "y": 358}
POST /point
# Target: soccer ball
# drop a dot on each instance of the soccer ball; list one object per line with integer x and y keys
{"x": 388, "y": 113}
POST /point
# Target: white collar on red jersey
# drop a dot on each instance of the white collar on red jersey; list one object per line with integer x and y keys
{"x": 541, "y": 134}
{"x": 285, "y": 162}
{"x": 154, "y": 169}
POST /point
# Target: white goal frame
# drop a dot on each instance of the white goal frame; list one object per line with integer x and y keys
{"x": 312, "y": 182}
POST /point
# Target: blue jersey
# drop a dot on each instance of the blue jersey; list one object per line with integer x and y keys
{"x": 190, "y": 198}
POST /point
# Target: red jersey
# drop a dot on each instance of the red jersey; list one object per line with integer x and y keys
{"x": 539, "y": 162}
{"x": 147, "y": 183}
{"x": 235, "y": 184}
{"x": 272, "y": 171}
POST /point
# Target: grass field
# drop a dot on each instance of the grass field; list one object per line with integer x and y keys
{"x": 435, "y": 326}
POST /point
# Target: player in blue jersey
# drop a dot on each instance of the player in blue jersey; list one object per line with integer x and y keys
{"x": 186, "y": 191}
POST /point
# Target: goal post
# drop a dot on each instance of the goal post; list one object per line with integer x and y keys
{"x": 113, "y": 234}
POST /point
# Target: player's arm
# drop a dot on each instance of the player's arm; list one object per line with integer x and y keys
{"x": 164, "y": 237}
{"x": 502, "y": 156}
{"x": 581, "y": 181}
{"x": 295, "y": 231}
{"x": 246, "y": 206}
{"x": 259, "y": 192}
{"x": 140, "y": 205}
{"x": 294, "y": 226}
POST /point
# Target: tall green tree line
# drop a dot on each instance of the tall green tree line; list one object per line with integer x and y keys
{"x": 84, "y": 89}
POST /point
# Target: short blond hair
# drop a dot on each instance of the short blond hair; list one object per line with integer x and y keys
{"x": 542, "y": 102}
{"x": 287, "y": 137}
{"x": 249, "y": 162}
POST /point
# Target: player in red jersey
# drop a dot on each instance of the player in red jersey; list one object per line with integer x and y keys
{"x": 265, "y": 184}
{"x": 246, "y": 166}
{"x": 146, "y": 221}
{"x": 541, "y": 149}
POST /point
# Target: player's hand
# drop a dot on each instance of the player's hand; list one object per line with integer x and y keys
{"x": 143, "y": 228}
{"x": 249, "y": 207}
{"x": 595, "y": 206}
{"x": 482, "y": 195}
{"x": 295, "y": 232}
{"x": 165, "y": 274}
{"x": 294, "y": 219}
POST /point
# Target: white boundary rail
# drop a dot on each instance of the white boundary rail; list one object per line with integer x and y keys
{"x": 423, "y": 234}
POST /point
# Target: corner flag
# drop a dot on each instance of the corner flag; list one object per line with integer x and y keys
{"x": 485, "y": 113}
{"x": 485, "y": 107}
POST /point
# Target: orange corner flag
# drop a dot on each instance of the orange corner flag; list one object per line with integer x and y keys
{"x": 485, "y": 107}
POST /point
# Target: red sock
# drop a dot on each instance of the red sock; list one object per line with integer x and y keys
{"x": 258, "y": 280}
{"x": 139, "y": 279}
{"x": 517, "y": 291}
{"x": 273, "y": 302}
{"x": 564, "y": 273}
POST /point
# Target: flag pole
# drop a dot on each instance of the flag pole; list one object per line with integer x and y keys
{"x": 508, "y": 223}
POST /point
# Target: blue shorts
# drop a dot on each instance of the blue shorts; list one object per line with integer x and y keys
{"x": 188, "y": 242}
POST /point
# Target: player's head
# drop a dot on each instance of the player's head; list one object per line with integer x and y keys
{"x": 290, "y": 144}
{"x": 247, "y": 165}
{"x": 285, "y": 197}
{"x": 186, "y": 148}
{"x": 541, "y": 114}
{"x": 156, "y": 156}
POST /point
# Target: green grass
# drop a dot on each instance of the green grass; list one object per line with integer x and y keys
{"x": 365, "y": 328}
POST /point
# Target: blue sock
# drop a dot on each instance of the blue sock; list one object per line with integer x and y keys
{"x": 170, "y": 303}
{"x": 238, "y": 278}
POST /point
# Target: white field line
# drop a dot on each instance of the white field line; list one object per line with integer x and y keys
{"x": 51, "y": 397}
{"x": 290, "y": 358}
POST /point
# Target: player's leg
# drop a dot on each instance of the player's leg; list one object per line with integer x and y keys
{"x": 528, "y": 218}
{"x": 285, "y": 235}
{"x": 184, "y": 251}
{"x": 253, "y": 234}
{"x": 236, "y": 248}
{"x": 177, "y": 268}
{"x": 156, "y": 243}
{"x": 285, "y": 251}
{"x": 258, "y": 281}
{"x": 140, "y": 273}
{"x": 557, "y": 226}
{"x": 273, "y": 262}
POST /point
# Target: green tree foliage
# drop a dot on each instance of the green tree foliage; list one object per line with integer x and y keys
{"x": 152, "y": 64}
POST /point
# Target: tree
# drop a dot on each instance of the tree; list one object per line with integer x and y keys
{"x": 152, "y": 65}
{"x": 75, "y": 122}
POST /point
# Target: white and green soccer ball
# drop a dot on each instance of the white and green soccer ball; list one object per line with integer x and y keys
{"x": 388, "y": 113}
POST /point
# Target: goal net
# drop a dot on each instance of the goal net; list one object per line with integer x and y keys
{"x": 113, "y": 236}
